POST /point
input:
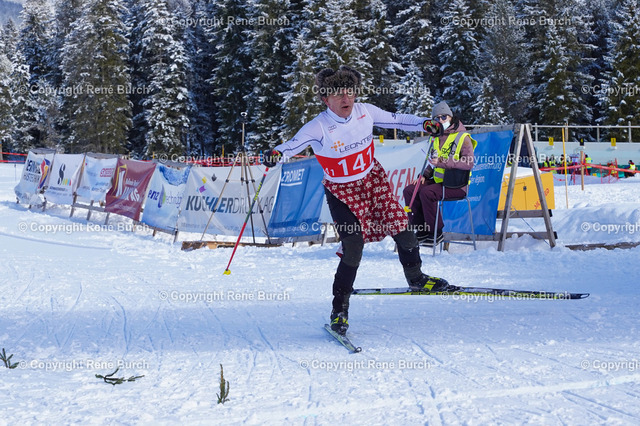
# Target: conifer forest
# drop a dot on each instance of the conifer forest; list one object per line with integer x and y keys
{"x": 149, "y": 77}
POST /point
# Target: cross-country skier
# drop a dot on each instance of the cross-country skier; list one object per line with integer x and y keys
{"x": 357, "y": 189}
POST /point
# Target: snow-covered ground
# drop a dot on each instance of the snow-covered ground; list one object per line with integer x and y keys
{"x": 79, "y": 299}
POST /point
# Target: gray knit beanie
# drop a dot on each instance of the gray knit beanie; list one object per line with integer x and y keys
{"x": 441, "y": 108}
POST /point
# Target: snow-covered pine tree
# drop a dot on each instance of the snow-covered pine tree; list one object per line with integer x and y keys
{"x": 35, "y": 38}
{"x": 414, "y": 39}
{"x": 200, "y": 51}
{"x": 7, "y": 120}
{"x": 271, "y": 52}
{"x": 138, "y": 79}
{"x": 563, "y": 74}
{"x": 503, "y": 61}
{"x": 415, "y": 97}
{"x": 9, "y": 39}
{"x": 96, "y": 79}
{"x": 66, "y": 12}
{"x": 48, "y": 113}
{"x": 166, "y": 99}
{"x": 35, "y": 50}
{"x": 338, "y": 43}
{"x": 551, "y": 101}
{"x": 479, "y": 10}
{"x": 487, "y": 107}
{"x": 558, "y": 91}
{"x": 413, "y": 29}
{"x": 8, "y": 93}
{"x": 300, "y": 103}
{"x": 601, "y": 13}
{"x": 24, "y": 105}
{"x": 457, "y": 52}
{"x": 376, "y": 37}
{"x": 622, "y": 89}
{"x": 231, "y": 80}
{"x": 531, "y": 12}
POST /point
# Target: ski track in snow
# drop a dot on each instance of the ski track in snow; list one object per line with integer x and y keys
{"x": 106, "y": 297}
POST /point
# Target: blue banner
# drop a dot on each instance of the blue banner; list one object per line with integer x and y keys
{"x": 164, "y": 196}
{"x": 299, "y": 200}
{"x": 491, "y": 156}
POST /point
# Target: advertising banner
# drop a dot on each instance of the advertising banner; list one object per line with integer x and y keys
{"x": 35, "y": 174}
{"x": 164, "y": 196}
{"x": 299, "y": 200}
{"x": 129, "y": 187}
{"x": 403, "y": 165}
{"x": 202, "y": 195}
{"x": 63, "y": 181}
{"x": 96, "y": 177}
{"x": 491, "y": 156}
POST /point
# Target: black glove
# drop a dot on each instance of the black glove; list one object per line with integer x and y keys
{"x": 271, "y": 157}
{"x": 433, "y": 127}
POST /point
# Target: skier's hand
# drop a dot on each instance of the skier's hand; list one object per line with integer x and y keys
{"x": 433, "y": 127}
{"x": 271, "y": 157}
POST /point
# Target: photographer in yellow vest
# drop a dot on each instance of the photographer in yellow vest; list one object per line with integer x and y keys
{"x": 451, "y": 150}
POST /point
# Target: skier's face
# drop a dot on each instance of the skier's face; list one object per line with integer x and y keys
{"x": 341, "y": 102}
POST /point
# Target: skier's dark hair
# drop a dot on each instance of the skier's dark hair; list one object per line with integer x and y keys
{"x": 329, "y": 81}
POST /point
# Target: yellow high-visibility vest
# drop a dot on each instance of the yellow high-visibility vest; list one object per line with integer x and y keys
{"x": 452, "y": 143}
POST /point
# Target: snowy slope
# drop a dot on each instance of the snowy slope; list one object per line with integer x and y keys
{"x": 79, "y": 300}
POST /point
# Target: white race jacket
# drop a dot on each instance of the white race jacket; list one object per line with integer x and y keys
{"x": 344, "y": 146}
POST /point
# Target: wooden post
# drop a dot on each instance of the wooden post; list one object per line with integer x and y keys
{"x": 512, "y": 183}
{"x": 89, "y": 211}
{"x": 525, "y": 136}
{"x": 543, "y": 199}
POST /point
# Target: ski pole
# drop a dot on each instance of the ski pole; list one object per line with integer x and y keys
{"x": 413, "y": 197}
{"x": 417, "y": 183}
{"x": 246, "y": 219}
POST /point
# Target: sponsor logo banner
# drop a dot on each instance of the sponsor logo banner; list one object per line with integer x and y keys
{"x": 485, "y": 183}
{"x": 129, "y": 187}
{"x": 300, "y": 199}
{"x": 34, "y": 177}
{"x": 164, "y": 196}
{"x": 63, "y": 179}
{"x": 203, "y": 203}
{"x": 96, "y": 178}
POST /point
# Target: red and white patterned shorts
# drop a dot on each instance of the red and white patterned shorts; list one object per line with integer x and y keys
{"x": 372, "y": 202}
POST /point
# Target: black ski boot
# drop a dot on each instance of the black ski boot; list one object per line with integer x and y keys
{"x": 339, "y": 322}
{"x": 426, "y": 282}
